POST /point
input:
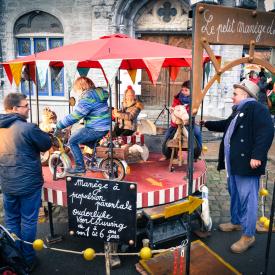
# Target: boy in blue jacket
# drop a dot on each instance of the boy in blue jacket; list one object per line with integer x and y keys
{"x": 93, "y": 108}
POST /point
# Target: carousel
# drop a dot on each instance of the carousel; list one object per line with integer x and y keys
{"x": 161, "y": 191}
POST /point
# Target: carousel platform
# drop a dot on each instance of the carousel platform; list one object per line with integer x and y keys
{"x": 156, "y": 185}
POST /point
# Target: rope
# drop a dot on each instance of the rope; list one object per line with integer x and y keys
{"x": 14, "y": 237}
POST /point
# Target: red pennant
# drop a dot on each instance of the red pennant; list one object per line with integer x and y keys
{"x": 8, "y": 72}
{"x": 174, "y": 71}
{"x": 153, "y": 67}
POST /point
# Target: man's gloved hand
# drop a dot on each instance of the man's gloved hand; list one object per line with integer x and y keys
{"x": 202, "y": 123}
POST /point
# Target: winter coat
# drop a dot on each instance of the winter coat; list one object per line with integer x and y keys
{"x": 251, "y": 139}
{"x": 93, "y": 108}
{"x": 127, "y": 117}
{"x": 20, "y": 147}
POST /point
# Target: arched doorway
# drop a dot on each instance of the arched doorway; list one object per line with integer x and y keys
{"x": 166, "y": 22}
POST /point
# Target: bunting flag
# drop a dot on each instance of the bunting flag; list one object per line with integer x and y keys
{"x": 8, "y": 72}
{"x": 70, "y": 68}
{"x": 174, "y": 71}
{"x": 83, "y": 71}
{"x": 16, "y": 70}
{"x": 153, "y": 67}
{"x": 132, "y": 74}
{"x": 42, "y": 67}
{"x": 110, "y": 68}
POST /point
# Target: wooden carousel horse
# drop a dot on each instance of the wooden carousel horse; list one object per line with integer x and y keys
{"x": 179, "y": 142}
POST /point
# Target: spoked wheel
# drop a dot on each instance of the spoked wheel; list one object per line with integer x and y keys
{"x": 119, "y": 171}
{"x": 61, "y": 162}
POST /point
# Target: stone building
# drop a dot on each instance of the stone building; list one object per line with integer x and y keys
{"x": 29, "y": 26}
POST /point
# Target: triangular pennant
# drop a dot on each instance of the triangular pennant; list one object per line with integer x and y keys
{"x": 153, "y": 68}
{"x": 70, "y": 68}
{"x": 174, "y": 71}
{"x": 42, "y": 67}
{"x": 8, "y": 72}
{"x": 110, "y": 68}
{"x": 83, "y": 71}
{"x": 16, "y": 69}
{"x": 132, "y": 74}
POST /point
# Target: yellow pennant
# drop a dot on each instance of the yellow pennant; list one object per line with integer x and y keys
{"x": 132, "y": 74}
{"x": 16, "y": 69}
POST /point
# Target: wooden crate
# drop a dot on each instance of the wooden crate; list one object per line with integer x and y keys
{"x": 119, "y": 153}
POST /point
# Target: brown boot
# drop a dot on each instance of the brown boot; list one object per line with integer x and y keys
{"x": 228, "y": 227}
{"x": 242, "y": 244}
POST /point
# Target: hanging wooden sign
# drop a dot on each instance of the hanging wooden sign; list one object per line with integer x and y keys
{"x": 214, "y": 24}
{"x": 224, "y": 25}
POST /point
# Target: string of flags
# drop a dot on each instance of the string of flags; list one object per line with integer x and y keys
{"x": 38, "y": 70}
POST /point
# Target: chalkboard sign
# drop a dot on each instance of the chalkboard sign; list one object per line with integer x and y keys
{"x": 102, "y": 209}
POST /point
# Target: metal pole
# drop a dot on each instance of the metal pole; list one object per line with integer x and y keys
{"x": 30, "y": 92}
{"x": 116, "y": 92}
{"x": 37, "y": 100}
{"x": 169, "y": 94}
{"x": 269, "y": 232}
{"x": 203, "y": 83}
{"x": 111, "y": 135}
{"x": 190, "y": 153}
{"x": 119, "y": 92}
{"x": 51, "y": 219}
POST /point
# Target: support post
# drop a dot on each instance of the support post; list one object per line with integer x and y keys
{"x": 111, "y": 145}
{"x": 37, "y": 99}
{"x": 269, "y": 232}
{"x": 30, "y": 92}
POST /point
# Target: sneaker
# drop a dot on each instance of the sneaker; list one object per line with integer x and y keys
{"x": 228, "y": 227}
{"x": 242, "y": 244}
{"x": 76, "y": 170}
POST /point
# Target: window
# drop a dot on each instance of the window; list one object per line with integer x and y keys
{"x": 30, "y": 30}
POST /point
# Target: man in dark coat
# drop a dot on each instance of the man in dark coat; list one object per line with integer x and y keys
{"x": 248, "y": 135}
{"x": 20, "y": 170}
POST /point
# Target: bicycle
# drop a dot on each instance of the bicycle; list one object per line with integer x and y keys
{"x": 60, "y": 161}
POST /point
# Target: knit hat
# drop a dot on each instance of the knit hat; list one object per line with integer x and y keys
{"x": 248, "y": 86}
{"x": 129, "y": 89}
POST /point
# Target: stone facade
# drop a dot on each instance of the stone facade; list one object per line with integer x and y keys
{"x": 90, "y": 19}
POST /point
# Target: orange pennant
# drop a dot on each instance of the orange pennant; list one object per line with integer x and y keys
{"x": 16, "y": 69}
{"x": 132, "y": 74}
{"x": 153, "y": 67}
{"x": 8, "y": 72}
{"x": 174, "y": 73}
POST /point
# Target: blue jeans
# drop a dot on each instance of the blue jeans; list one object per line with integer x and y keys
{"x": 243, "y": 192}
{"x": 21, "y": 215}
{"x": 83, "y": 136}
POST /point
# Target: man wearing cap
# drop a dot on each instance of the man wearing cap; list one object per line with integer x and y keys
{"x": 248, "y": 135}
